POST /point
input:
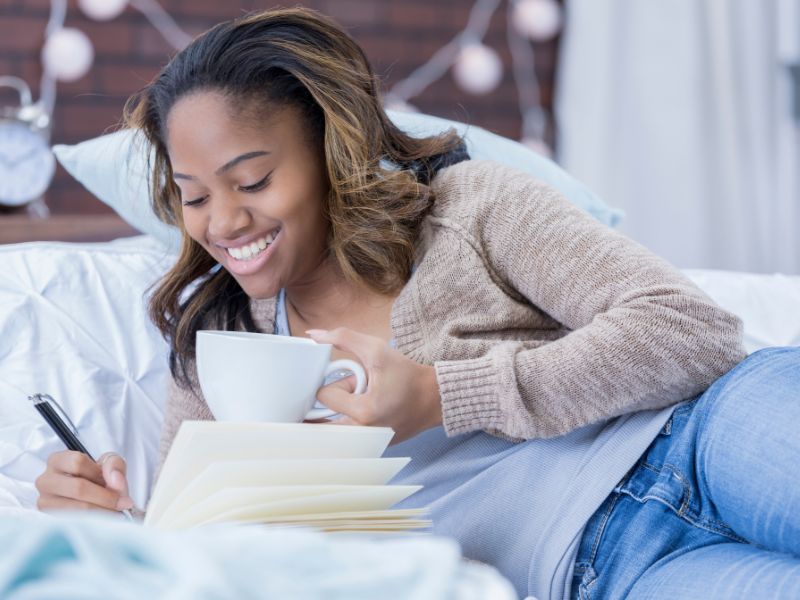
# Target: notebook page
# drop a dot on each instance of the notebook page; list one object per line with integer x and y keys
{"x": 295, "y": 471}
{"x": 200, "y": 443}
{"x": 245, "y": 503}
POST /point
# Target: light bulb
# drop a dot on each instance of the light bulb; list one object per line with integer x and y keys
{"x": 538, "y": 20}
{"x": 478, "y": 69}
{"x": 102, "y": 10}
{"x": 67, "y": 54}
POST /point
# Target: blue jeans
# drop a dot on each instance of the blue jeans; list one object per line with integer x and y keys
{"x": 712, "y": 509}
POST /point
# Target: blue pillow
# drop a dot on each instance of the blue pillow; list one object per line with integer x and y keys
{"x": 482, "y": 144}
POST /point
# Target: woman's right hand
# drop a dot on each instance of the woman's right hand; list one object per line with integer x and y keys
{"x": 73, "y": 481}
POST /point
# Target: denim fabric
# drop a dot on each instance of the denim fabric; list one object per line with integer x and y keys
{"x": 712, "y": 510}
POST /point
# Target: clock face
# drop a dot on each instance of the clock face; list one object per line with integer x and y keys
{"x": 26, "y": 164}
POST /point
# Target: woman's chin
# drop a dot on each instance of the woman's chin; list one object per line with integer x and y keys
{"x": 261, "y": 292}
{"x": 258, "y": 290}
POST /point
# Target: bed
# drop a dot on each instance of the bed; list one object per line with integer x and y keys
{"x": 74, "y": 325}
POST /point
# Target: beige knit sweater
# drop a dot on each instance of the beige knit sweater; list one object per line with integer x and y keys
{"x": 537, "y": 318}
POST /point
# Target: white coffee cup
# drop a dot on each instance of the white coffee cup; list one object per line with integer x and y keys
{"x": 261, "y": 377}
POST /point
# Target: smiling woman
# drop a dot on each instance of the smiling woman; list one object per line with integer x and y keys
{"x": 528, "y": 358}
{"x": 272, "y": 126}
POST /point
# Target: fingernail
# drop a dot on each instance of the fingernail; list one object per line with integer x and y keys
{"x": 124, "y": 503}
{"x": 314, "y": 332}
{"x": 117, "y": 480}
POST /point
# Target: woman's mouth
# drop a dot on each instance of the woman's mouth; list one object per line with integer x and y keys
{"x": 248, "y": 258}
{"x": 252, "y": 250}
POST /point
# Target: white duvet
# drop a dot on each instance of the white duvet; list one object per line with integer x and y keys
{"x": 73, "y": 324}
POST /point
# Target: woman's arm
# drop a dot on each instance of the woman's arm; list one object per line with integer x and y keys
{"x": 644, "y": 336}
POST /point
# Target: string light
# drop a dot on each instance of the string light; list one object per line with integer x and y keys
{"x": 67, "y": 54}
{"x": 476, "y": 68}
{"x": 538, "y": 20}
{"x": 443, "y": 59}
{"x": 102, "y": 10}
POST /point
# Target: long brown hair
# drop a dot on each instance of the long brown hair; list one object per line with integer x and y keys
{"x": 271, "y": 60}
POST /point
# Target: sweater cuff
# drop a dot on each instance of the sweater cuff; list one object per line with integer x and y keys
{"x": 469, "y": 393}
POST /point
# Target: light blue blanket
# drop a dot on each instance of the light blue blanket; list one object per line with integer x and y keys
{"x": 86, "y": 556}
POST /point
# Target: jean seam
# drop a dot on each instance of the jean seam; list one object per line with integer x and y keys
{"x": 584, "y": 592}
{"x": 651, "y": 467}
{"x": 691, "y": 518}
{"x": 685, "y": 511}
{"x": 686, "y": 497}
{"x": 601, "y": 529}
{"x": 584, "y": 588}
{"x": 588, "y": 564}
{"x": 582, "y": 566}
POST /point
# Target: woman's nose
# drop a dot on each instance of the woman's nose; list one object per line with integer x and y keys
{"x": 227, "y": 219}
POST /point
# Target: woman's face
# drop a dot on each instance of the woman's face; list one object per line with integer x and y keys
{"x": 251, "y": 192}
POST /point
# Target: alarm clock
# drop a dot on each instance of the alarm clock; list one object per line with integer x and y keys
{"x": 27, "y": 164}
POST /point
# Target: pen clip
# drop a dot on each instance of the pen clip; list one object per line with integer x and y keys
{"x": 47, "y": 398}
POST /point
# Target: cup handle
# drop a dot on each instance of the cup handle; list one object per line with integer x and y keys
{"x": 344, "y": 364}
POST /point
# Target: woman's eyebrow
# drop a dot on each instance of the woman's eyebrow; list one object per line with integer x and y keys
{"x": 228, "y": 165}
{"x": 232, "y": 163}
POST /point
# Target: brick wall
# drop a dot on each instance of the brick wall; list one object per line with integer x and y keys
{"x": 397, "y": 35}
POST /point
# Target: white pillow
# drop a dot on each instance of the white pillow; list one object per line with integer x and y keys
{"x": 113, "y": 167}
{"x": 74, "y": 325}
{"x": 482, "y": 144}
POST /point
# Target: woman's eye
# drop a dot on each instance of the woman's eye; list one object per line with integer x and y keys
{"x": 259, "y": 185}
{"x": 195, "y": 202}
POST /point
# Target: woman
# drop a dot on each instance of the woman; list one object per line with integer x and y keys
{"x": 528, "y": 358}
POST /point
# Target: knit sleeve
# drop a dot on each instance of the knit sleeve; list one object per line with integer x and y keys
{"x": 182, "y": 405}
{"x": 642, "y": 335}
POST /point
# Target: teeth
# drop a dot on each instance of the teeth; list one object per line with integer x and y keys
{"x": 250, "y": 250}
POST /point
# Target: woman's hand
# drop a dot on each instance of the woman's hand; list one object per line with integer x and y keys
{"x": 73, "y": 481}
{"x": 400, "y": 394}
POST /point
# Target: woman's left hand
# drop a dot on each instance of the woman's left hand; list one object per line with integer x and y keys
{"x": 400, "y": 394}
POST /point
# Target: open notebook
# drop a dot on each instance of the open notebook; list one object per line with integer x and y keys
{"x": 330, "y": 477}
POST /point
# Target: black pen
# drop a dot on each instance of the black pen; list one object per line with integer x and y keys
{"x": 50, "y": 409}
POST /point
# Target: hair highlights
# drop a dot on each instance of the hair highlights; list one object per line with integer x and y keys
{"x": 264, "y": 62}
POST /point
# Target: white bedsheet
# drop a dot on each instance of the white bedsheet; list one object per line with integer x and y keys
{"x": 768, "y": 304}
{"x": 73, "y": 324}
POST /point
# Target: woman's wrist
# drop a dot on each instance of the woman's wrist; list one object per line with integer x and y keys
{"x": 433, "y": 400}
